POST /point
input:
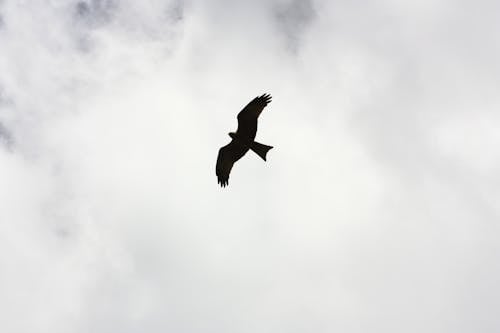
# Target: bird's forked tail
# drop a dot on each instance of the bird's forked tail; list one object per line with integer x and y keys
{"x": 260, "y": 149}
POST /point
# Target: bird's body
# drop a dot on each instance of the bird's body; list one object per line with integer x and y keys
{"x": 243, "y": 140}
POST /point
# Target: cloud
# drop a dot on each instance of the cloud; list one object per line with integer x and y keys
{"x": 293, "y": 17}
{"x": 376, "y": 211}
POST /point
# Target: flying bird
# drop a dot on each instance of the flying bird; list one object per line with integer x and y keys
{"x": 243, "y": 140}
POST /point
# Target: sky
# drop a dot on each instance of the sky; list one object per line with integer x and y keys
{"x": 378, "y": 209}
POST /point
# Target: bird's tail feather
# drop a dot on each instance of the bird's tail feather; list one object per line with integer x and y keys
{"x": 260, "y": 149}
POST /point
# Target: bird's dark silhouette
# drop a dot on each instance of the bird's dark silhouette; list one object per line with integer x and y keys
{"x": 243, "y": 140}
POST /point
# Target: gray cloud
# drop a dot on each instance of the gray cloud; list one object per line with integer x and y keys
{"x": 96, "y": 12}
{"x": 5, "y": 136}
{"x": 377, "y": 209}
{"x": 293, "y": 17}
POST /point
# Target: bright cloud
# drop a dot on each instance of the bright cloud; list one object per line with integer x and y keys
{"x": 377, "y": 210}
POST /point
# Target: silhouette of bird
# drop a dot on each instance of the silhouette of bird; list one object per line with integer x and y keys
{"x": 243, "y": 139}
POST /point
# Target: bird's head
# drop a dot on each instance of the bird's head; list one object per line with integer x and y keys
{"x": 232, "y": 135}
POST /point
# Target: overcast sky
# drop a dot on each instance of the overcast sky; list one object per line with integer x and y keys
{"x": 378, "y": 210}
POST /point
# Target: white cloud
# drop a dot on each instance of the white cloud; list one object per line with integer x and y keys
{"x": 376, "y": 211}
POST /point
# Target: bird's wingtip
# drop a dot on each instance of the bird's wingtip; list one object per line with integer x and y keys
{"x": 223, "y": 183}
{"x": 266, "y": 97}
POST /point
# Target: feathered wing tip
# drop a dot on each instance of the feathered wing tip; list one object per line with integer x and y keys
{"x": 222, "y": 178}
{"x": 266, "y": 98}
{"x": 223, "y": 182}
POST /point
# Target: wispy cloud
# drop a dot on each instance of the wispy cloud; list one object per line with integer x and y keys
{"x": 293, "y": 17}
{"x": 376, "y": 211}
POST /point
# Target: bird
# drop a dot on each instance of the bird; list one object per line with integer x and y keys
{"x": 243, "y": 139}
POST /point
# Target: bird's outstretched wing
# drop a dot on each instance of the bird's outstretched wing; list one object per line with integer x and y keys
{"x": 247, "y": 118}
{"x": 228, "y": 155}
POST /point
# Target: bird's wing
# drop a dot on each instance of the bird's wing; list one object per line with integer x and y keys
{"x": 247, "y": 118}
{"x": 228, "y": 155}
